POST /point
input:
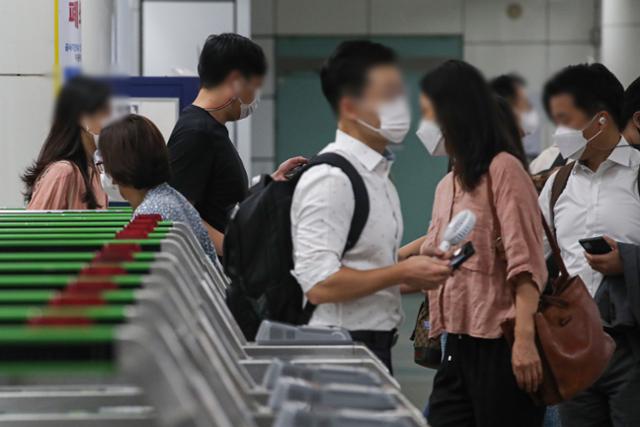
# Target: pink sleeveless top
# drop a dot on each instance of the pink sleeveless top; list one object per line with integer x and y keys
{"x": 61, "y": 186}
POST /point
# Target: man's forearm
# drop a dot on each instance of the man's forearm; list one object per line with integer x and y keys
{"x": 412, "y": 248}
{"x": 348, "y": 284}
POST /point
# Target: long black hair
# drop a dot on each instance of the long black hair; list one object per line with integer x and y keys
{"x": 469, "y": 118}
{"x": 79, "y": 96}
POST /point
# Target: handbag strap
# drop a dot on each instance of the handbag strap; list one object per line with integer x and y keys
{"x": 551, "y": 238}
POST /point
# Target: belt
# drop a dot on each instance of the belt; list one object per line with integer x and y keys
{"x": 385, "y": 339}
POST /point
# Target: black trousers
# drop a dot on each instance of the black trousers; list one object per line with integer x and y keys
{"x": 614, "y": 400}
{"x": 475, "y": 387}
{"x": 379, "y": 342}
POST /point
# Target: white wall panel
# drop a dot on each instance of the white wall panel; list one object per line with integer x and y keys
{"x": 174, "y": 32}
{"x": 527, "y": 60}
{"x": 416, "y": 16}
{"x": 321, "y": 16}
{"x": 24, "y": 123}
{"x": 571, "y": 20}
{"x": 262, "y": 17}
{"x": 487, "y": 20}
{"x": 27, "y": 36}
{"x": 561, "y": 55}
{"x": 263, "y": 128}
{"x": 268, "y": 46}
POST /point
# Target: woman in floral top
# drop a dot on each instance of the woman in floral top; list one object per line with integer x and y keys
{"x": 135, "y": 156}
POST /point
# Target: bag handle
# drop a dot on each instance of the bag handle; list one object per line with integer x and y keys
{"x": 551, "y": 238}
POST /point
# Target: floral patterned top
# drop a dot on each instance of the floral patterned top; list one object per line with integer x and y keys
{"x": 165, "y": 201}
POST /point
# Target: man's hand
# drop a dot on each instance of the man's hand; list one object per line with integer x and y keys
{"x": 608, "y": 264}
{"x": 435, "y": 252}
{"x": 526, "y": 364}
{"x": 287, "y": 166}
{"x": 423, "y": 272}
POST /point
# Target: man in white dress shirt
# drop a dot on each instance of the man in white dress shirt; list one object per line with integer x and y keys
{"x": 359, "y": 291}
{"x": 600, "y": 199}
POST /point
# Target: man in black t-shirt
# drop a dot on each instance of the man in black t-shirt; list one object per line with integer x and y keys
{"x": 206, "y": 167}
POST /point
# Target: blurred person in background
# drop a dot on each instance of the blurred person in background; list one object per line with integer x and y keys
{"x": 136, "y": 159}
{"x": 513, "y": 88}
{"x": 64, "y": 175}
{"x": 482, "y": 381}
{"x": 206, "y": 166}
{"x": 599, "y": 197}
{"x": 631, "y": 113}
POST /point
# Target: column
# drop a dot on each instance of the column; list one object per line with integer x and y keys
{"x": 620, "y": 38}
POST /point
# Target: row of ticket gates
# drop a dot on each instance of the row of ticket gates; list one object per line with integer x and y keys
{"x": 113, "y": 321}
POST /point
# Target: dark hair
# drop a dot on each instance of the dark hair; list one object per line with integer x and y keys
{"x": 224, "y": 53}
{"x": 468, "y": 115}
{"x": 345, "y": 71}
{"x": 507, "y": 85}
{"x": 81, "y": 95}
{"x": 631, "y": 101}
{"x": 593, "y": 88}
{"x": 134, "y": 153}
{"x": 512, "y": 127}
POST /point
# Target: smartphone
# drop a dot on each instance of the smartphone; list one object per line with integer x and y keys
{"x": 595, "y": 245}
{"x": 461, "y": 255}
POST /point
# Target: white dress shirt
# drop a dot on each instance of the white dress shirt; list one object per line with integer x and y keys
{"x": 604, "y": 202}
{"x": 321, "y": 213}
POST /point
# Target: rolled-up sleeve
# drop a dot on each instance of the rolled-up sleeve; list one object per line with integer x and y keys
{"x": 321, "y": 212}
{"x": 521, "y": 229}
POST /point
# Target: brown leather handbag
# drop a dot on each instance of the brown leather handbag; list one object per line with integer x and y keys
{"x": 573, "y": 346}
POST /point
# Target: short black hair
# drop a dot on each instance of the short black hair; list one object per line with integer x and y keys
{"x": 593, "y": 88}
{"x": 224, "y": 53}
{"x": 506, "y": 85}
{"x": 631, "y": 102}
{"x": 345, "y": 71}
{"x": 134, "y": 153}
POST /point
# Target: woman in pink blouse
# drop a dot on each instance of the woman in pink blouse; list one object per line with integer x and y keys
{"x": 482, "y": 381}
{"x": 64, "y": 176}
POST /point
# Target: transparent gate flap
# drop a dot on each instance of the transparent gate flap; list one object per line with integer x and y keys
{"x": 294, "y": 415}
{"x": 331, "y": 395}
{"x": 274, "y": 333}
{"x": 325, "y": 374}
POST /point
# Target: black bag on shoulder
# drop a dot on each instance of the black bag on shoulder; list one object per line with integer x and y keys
{"x": 258, "y": 249}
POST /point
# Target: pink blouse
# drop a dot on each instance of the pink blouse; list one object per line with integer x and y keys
{"x": 480, "y": 295}
{"x": 61, "y": 186}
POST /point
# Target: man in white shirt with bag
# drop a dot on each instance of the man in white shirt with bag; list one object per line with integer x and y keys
{"x": 359, "y": 289}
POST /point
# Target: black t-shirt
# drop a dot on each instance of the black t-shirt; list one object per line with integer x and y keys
{"x": 206, "y": 167}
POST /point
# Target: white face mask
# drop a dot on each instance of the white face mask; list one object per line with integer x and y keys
{"x": 529, "y": 121}
{"x": 109, "y": 187}
{"x": 571, "y": 142}
{"x": 247, "y": 109}
{"x": 431, "y": 137}
{"x": 395, "y": 120}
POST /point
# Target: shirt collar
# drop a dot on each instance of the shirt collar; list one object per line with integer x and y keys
{"x": 624, "y": 154}
{"x": 367, "y": 156}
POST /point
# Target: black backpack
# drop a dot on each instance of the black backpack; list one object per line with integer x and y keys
{"x": 258, "y": 249}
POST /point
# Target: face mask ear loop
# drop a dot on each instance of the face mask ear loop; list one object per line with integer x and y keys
{"x": 601, "y": 122}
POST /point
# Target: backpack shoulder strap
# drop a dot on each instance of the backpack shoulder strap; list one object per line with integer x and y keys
{"x": 361, "y": 209}
{"x": 558, "y": 186}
